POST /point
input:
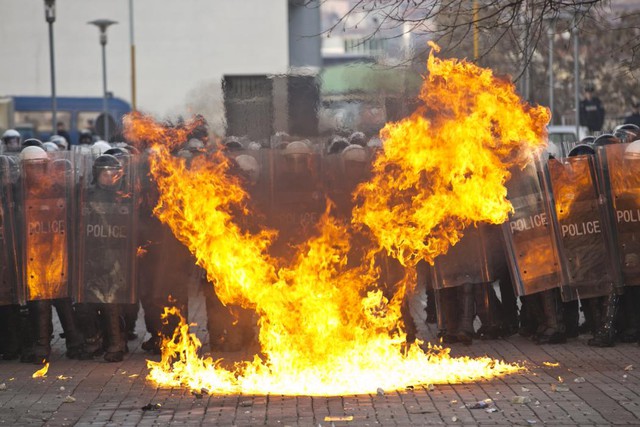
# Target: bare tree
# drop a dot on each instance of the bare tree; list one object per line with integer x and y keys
{"x": 511, "y": 37}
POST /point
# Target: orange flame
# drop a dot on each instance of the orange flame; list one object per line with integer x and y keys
{"x": 41, "y": 372}
{"x": 445, "y": 167}
{"x": 326, "y": 327}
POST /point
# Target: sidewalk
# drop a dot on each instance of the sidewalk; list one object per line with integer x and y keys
{"x": 596, "y": 390}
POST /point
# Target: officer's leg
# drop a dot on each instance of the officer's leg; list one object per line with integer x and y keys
{"x": 91, "y": 329}
{"x": 72, "y": 335}
{"x": 467, "y": 313}
{"x": 489, "y": 311}
{"x": 114, "y": 328}
{"x": 446, "y": 307}
{"x": 554, "y": 327}
{"x": 605, "y": 332}
{"x": 630, "y": 313}
{"x": 130, "y": 314}
{"x": 572, "y": 318}
{"x": 10, "y": 324}
{"x": 42, "y": 328}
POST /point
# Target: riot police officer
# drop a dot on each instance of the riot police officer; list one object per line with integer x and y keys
{"x": 106, "y": 267}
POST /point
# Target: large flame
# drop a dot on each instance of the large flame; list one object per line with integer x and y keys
{"x": 325, "y": 326}
{"x": 445, "y": 167}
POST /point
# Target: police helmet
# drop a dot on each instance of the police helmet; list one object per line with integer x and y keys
{"x": 374, "y": 142}
{"x": 11, "y": 138}
{"x": 582, "y": 150}
{"x": 85, "y": 138}
{"x": 337, "y": 144}
{"x": 32, "y": 142}
{"x": 100, "y": 147}
{"x": 633, "y": 150}
{"x": 354, "y": 153}
{"x": 60, "y": 141}
{"x": 627, "y": 132}
{"x": 249, "y": 166}
{"x": 107, "y": 170}
{"x": 358, "y": 138}
{"x": 49, "y": 146}
{"x": 117, "y": 152}
{"x": 606, "y": 139}
{"x": 588, "y": 139}
{"x": 232, "y": 143}
{"x": 33, "y": 153}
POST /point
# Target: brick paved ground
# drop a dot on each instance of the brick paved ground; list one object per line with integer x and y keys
{"x": 113, "y": 394}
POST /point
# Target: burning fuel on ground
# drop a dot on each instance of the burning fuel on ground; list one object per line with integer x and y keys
{"x": 325, "y": 327}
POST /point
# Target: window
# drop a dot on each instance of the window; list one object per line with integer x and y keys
{"x": 41, "y": 120}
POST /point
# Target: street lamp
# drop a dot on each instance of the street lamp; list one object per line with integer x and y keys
{"x": 50, "y": 16}
{"x": 103, "y": 24}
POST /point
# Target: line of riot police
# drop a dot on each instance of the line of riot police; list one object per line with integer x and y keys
{"x": 573, "y": 240}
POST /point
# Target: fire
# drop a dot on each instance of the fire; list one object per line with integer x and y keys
{"x": 445, "y": 167}
{"x": 326, "y": 327}
{"x": 41, "y": 372}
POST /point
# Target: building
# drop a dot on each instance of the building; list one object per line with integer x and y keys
{"x": 184, "y": 49}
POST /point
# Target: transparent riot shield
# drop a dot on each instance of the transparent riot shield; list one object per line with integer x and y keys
{"x": 465, "y": 262}
{"x": 106, "y": 232}
{"x": 45, "y": 215}
{"x": 582, "y": 227}
{"x": 529, "y": 237}
{"x": 9, "y": 256}
{"x": 297, "y": 196}
{"x": 342, "y": 172}
{"x": 619, "y": 171}
{"x": 254, "y": 167}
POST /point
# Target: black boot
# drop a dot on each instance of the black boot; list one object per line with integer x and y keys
{"x": 467, "y": 313}
{"x": 572, "y": 317}
{"x": 628, "y": 311}
{"x": 446, "y": 301}
{"x": 42, "y": 328}
{"x": 530, "y": 315}
{"x": 489, "y": 311}
{"x": 91, "y": 329}
{"x": 605, "y": 333}
{"x": 72, "y": 335}
{"x": 114, "y": 330}
{"x": 10, "y": 324}
{"x": 130, "y": 314}
{"x": 554, "y": 327}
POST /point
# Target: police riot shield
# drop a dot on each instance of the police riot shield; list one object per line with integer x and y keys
{"x": 582, "y": 227}
{"x": 254, "y": 169}
{"x": 45, "y": 215}
{"x": 9, "y": 174}
{"x": 342, "y": 172}
{"x": 619, "y": 171}
{"x": 106, "y": 230}
{"x": 297, "y": 196}
{"x": 528, "y": 234}
{"x": 465, "y": 262}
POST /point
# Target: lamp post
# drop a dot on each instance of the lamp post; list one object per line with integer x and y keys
{"x": 133, "y": 57}
{"x": 103, "y": 24}
{"x": 50, "y": 16}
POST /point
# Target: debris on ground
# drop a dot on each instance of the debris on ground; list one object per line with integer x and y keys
{"x": 339, "y": 418}
{"x": 152, "y": 407}
{"x": 521, "y": 399}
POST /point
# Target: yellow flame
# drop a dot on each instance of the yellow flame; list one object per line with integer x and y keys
{"x": 41, "y": 372}
{"x": 445, "y": 167}
{"x": 551, "y": 364}
{"x": 327, "y": 326}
